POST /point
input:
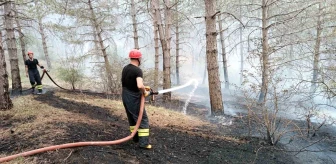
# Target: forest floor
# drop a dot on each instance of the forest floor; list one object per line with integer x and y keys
{"x": 59, "y": 117}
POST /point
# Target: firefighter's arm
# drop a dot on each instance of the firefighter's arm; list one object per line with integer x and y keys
{"x": 141, "y": 86}
{"x": 40, "y": 66}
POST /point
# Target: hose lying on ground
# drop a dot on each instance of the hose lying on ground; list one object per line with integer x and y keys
{"x": 81, "y": 144}
{"x": 44, "y": 72}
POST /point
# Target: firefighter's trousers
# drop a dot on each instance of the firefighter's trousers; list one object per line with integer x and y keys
{"x": 131, "y": 101}
{"x": 35, "y": 79}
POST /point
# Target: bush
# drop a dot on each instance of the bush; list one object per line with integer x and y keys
{"x": 71, "y": 76}
{"x": 71, "y": 70}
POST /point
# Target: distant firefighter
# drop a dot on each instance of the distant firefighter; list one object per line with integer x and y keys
{"x": 33, "y": 73}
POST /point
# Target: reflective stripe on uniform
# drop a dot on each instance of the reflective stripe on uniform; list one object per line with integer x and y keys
{"x": 143, "y": 132}
{"x": 39, "y": 86}
{"x": 132, "y": 128}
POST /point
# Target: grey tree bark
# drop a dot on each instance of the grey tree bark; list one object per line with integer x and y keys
{"x": 212, "y": 59}
{"x": 102, "y": 47}
{"x": 177, "y": 45}
{"x": 44, "y": 39}
{"x": 11, "y": 46}
{"x": 317, "y": 51}
{"x": 95, "y": 39}
{"x": 135, "y": 25}
{"x": 204, "y": 74}
{"x": 167, "y": 56}
{"x": 156, "y": 46}
{"x": 222, "y": 40}
{"x": 156, "y": 74}
{"x": 21, "y": 36}
{"x": 5, "y": 101}
{"x": 264, "y": 54}
{"x": 241, "y": 45}
{"x": 44, "y": 43}
{"x": 166, "y": 50}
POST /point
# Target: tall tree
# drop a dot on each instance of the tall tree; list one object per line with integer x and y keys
{"x": 264, "y": 54}
{"x": 222, "y": 41}
{"x": 241, "y": 48}
{"x": 43, "y": 35}
{"x": 11, "y": 46}
{"x": 317, "y": 49}
{"x": 21, "y": 35}
{"x": 92, "y": 22}
{"x": 177, "y": 43}
{"x": 278, "y": 30}
{"x": 157, "y": 49}
{"x": 102, "y": 47}
{"x": 165, "y": 39}
{"x": 5, "y": 101}
{"x": 212, "y": 59}
{"x": 135, "y": 24}
{"x": 167, "y": 57}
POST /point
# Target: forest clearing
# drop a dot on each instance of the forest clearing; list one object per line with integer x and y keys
{"x": 168, "y": 81}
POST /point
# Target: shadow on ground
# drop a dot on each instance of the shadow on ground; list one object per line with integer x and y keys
{"x": 171, "y": 144}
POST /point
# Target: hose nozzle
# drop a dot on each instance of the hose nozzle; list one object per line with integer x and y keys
{"x": 153, "y": 92}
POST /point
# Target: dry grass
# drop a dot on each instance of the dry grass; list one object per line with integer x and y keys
{"x": 45, "y": 116}
{"x": 158, "y": 116}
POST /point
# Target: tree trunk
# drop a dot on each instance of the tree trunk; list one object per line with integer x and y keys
{"x": 135, "y": 25}
{"x": 102, "y": 47}
{"x": 166, "y": 51}
{"x": 177, "y": 40}
{"x": 317, "y": 51}
{"x": 44, "y": 39}
{"x": 212, "y": 61}
{"x": 225, "y": 67}
{"x": 241, "y": 45}
{"x": 12, "y": 49}
{"x": 168, "y": 24}
{"x": 156, "y": 44}
{"x": 5, "y": 101}
{"x": 19, "y": 29}
{"x": 204, "y": 73}
{"x": 44, "y": 43}
{"x": 97, "y": 51}
{"x": 156, "y": 74}
{"x": 167, "y": 73}
{"x": 265, "y": 55}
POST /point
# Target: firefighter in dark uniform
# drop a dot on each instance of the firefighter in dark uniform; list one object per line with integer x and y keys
{"x": 33, "y": 73}
{"x": 132, "y": 90}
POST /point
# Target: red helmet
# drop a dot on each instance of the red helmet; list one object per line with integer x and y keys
{"x": 135, "y": 54}
{"x": 30, "y": 52}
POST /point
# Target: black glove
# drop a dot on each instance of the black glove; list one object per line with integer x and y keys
{"x": 42, "y": 67}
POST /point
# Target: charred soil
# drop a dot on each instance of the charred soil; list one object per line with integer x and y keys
{"x": 65, "y": 117}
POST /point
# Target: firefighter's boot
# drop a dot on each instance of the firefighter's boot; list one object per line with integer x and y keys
{"x": 39, "y": 91}
{"x": 147, "y": 147}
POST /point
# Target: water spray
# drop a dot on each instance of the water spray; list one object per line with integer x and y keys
{"x": 193, "y": 81}
{"x": 190, "y": 95}
{"x": 179, "y": 87}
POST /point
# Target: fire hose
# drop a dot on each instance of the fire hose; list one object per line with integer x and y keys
{"x": 41, "y": 80}
{"x": 92, "y": 143}
{"x": 81, "y": 144}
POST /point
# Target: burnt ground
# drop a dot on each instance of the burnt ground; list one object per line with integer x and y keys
{"x": 63, "y": 117}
